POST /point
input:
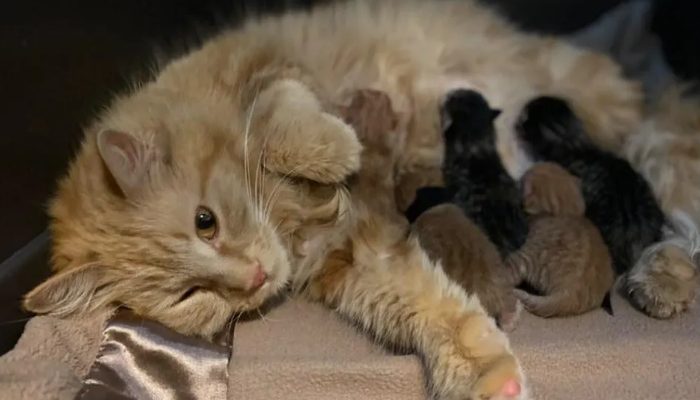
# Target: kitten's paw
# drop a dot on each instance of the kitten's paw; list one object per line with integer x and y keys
{"x": 508, "y": 318}
{"x": 665, "y": 285}
{"x": 485, "y": 369}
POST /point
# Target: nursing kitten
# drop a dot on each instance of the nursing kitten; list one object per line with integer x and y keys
{"x": 371, "y": 114}
{"x": 466, "y": 255}
{"x": 469, "y": 258}
{"x": 618, "y": 200}
{"x": 474, "y": 176}
{"x": 564, "y": 257}
{"x": 211, "y": 188}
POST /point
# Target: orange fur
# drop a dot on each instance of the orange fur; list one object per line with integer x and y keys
{"x": 564, "y": 256}
{"x": 245, "y": 127}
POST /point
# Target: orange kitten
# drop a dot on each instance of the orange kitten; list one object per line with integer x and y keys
{"x": 564, "y": 256}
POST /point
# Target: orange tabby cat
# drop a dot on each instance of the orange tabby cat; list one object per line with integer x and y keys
{"x": 564, "y": 256}
{"x": 209, "y": 189}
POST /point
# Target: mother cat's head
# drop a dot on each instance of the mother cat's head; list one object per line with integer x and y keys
{"x": 170, "y": 209}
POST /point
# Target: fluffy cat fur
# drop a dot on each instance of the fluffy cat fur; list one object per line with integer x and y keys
{"x": 469, "y": 258}
{"x": 666, "y": 151}
{"x": 242, "y": 126}
{"x": 665, "y": 279}
{"x": 618, "y": 200}
{"x": 564, "y": 257}
{"x": 474, "y": 177}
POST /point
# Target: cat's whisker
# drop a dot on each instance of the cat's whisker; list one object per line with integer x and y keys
{"x": 262, "y": 316}
{"x": 275, "y": 190}
{"x": 260, "y": 210}
{"x": 248, "y": 123}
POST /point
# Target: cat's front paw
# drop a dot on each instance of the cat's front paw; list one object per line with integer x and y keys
{"x": 331, "y": 147}
{"x": 665, "y": 285}
{"x": 483, "y": 367}
{"x": 300, "y": 139}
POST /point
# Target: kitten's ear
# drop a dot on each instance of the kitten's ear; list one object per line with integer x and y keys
{"x": 495, "y": 113}
{"x": 82, "y": 288}
{"x": 127, "y": 158}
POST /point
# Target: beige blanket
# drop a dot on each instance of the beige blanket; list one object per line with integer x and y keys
{"x": 302, "y": 351}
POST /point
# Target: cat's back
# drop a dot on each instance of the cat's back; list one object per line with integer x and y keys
{"x": 366, "y": 43}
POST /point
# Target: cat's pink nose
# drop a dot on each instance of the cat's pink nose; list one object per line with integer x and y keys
{"x": 259, "y": 278}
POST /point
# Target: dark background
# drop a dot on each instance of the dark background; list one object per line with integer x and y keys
{"x": 62, "y": 60}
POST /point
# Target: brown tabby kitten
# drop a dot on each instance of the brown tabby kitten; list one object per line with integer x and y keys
{"x": 564, "y": 256}
{"x": 469, "y": 258}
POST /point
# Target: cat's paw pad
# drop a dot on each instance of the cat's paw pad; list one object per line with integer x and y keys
{"x": 666, "y": 286}
{"x": 502, "y": 381}
{"x": 499, "y": 376}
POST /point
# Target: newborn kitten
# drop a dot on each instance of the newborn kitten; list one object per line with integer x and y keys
{"x": 371, "y": 114}
{"x": 474, "y": 175}
{"x": 618, "y": 200}
{"x": 470, "y": 259}
{"x": 564, "y": 256}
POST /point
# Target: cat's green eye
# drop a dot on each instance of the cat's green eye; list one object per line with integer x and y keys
{"x": 205, "y": 222}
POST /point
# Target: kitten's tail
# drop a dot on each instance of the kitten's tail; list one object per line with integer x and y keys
{"x": 557, "y": 304}
{"x": 542, "y": 306}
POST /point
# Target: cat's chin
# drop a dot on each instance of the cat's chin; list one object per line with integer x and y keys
{"x": 265, "y": 295}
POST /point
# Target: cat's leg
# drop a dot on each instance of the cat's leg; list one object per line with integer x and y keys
{"x": 664, "y": 282}
{"x": 388, "y": 285}
{"x": 298, "y": 137}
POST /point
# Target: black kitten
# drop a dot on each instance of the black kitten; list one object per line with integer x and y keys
{"x": 475, "y": 179}
{"x": 618, "y": 200}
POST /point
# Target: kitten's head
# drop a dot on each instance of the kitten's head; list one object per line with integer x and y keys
{"x": 548, "y": 128}
{"x": 467, "y": 121}
{"x": 549, "y": 189}
{"x": 169, "y": 210}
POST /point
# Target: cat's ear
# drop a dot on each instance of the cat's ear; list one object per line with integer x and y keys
{"x": 128, "y": 159}
{"x": 495, "y": 113}
{"x": 79, "y": 289}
